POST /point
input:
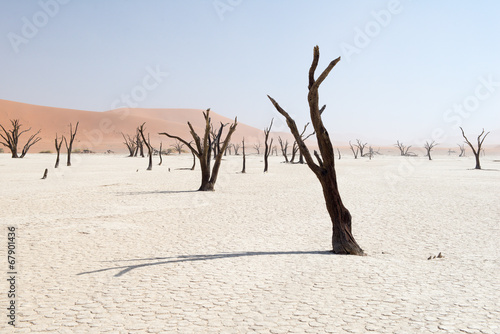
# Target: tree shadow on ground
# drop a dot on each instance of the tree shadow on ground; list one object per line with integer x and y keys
{"x": 130, "y": 193}
{"x": 191, "y": 258}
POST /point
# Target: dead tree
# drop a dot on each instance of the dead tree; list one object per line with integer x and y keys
{"x": 216, "y": 138}
{"x": 130, "y": 143}
{"x": 45, "y": 173}
{"x": 284, "y": 148}
{"x": 355, "y": 152}
{"x": 236, "y": 148}
{"x": 429, "y": 146}
{"x": 267, "y": 145}
{"x": 58, "y": 145}
{"x": 301, "y": 158}
{"x": 203, "y": 151}
{"x": 343, "y": 241}
{"x": 462, "y": 150}
{"x": 243, "y": 170}
{"x": 257, "y": 147}
{"x": 177, "y": 146}
{"x": 340, "y": 156}
{"x": 69, "y": 147}
{"x": 479, "y": 144}
{"x": 402, "y": 148}
{"x": 148, "y": 146}
{"x": 194, "y": 161}
{"x": 274, "y": 150}
{"x": 139, "y": 144}
{"x": 10, "y": 139}
{"x": 361, "y": 147}
{"x": 159, "y": 153}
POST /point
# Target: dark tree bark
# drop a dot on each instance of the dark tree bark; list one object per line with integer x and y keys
{"x": 479, "y": 144}
{"x": 69, "y": 147}
{"x": 243, "y": 170}
{"x": 32, "y": 140}
{"x": 10, "y": 138}
{"x": 45, "y": 173}
{"x": 429, "y": 146}
{"x": 148, "y": 146}
{"x": 194, "y": 161}
{"x": 130, "y": 143}
{"x": 295, "y": 149}
{"x": 203, "y": 151}
{"x": 343, "y": 241}
{"x": 159, "y": 153}
{"x": 58, "y": 150}
{"x": 267, "y": 145}
{"x": 284, "y": 148}
{"x": 355, "y": 152}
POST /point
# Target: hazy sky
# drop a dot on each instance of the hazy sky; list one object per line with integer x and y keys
{"x": 410, "y": 70}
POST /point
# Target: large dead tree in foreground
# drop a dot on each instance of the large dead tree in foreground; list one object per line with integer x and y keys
{"x": 10, "y": 138}
{"x": 479, "y": 144}
{"x": 203, "y": 151}
{"x": 343, "y": 241}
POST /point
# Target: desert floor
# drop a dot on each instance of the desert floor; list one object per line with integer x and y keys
{"x": 106, "y": 246}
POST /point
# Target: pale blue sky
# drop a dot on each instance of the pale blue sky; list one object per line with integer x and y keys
{"x": 405, "y": 64}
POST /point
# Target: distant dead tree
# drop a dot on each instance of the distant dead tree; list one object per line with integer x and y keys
{"x": 462, "y": 150}
{"x": 267, "y": 145}
{"x": 479, "y": 144}
{"x": 58, "y": 145}
{"x": 130, "y": 143}
{"x": 284, "y": 148}
{"x": 340, "y": 156}
{"x": 10, "y": 138}
{"x": 69, "y": 147}
{"x": 194, "y": 161}
{"x": 236, "y": 148}
{"x": 370, "y": 153}
{"x": 428, "y": 147}
{"x": 295, "y": 149}
{"x": 257, "y": 147}
{"x": 402, "y": 148}
{"x": 243, "y": 170}
{"x": 45, "y": 173}
{"x": 355, "y": 152}
{"x": 159, "y": 153}
{"x": 361, "y": 147}
{"x": 148, "y": 146}
{"x": 274, "y": 150}
{"x": 177, "y": 146}
{"x": 343, "y": 241}
{"x": 203, "y": 151}
{"x": 302, "y": 134}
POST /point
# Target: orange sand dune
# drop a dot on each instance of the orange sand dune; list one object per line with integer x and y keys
{"x": 102, "y": 131}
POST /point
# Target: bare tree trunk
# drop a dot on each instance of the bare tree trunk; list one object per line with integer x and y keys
{"x": 428, "y": 147}
{"x": 479, "y": 144}
{"x": 159, "y": 153}
{"x": 203, "y": 151}
{"x": 45, "y": 173}
{"x": 355, "y": 152}
{"x": 130, "y": 143}
{"x": 284, "y": 148}
{"x": 267, "y": 146}
{"x": 69, "y": 147}
{"x": 148, "y": 146}
{"x": 243, "y": 170}
{"x": 343, "y": 241}
{"x": 194, "y": 161}
{"x": 10, "y": 138}
{"x": 340, "y": 156}
{"x": 58, "y": 150}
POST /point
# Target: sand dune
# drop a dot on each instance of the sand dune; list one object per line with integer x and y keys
{"x": 101, "y": 131}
